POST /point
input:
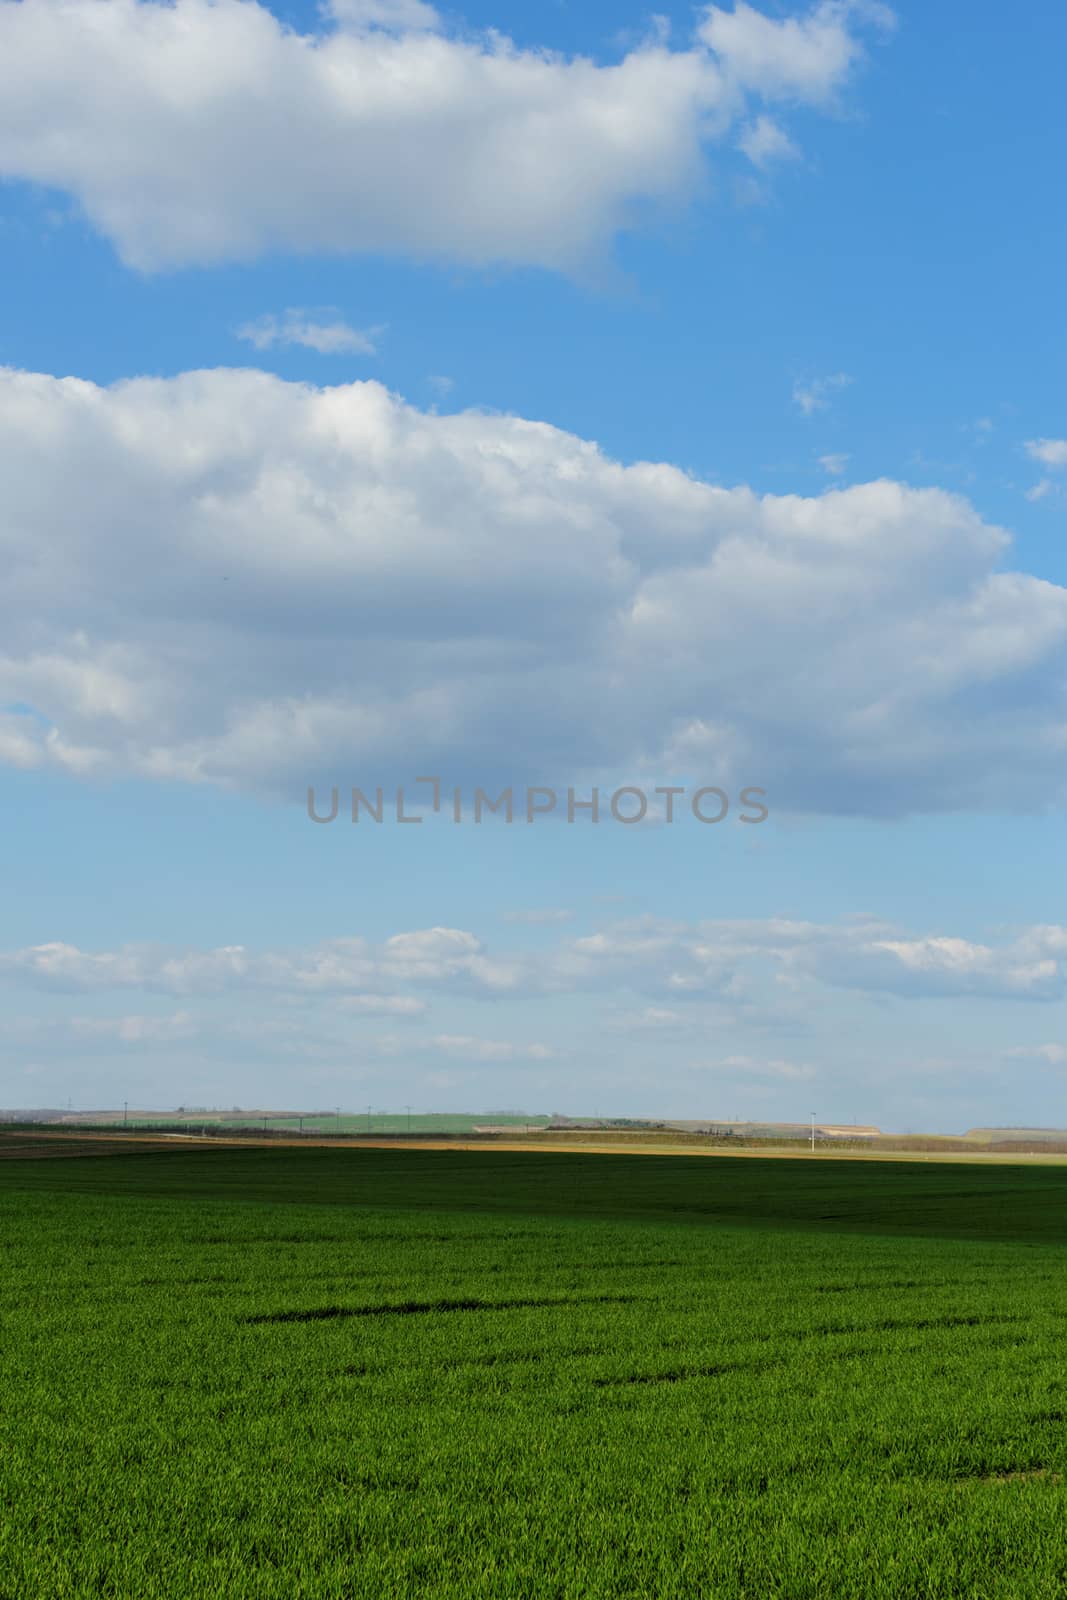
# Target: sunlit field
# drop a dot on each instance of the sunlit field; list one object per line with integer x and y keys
{"x": 324, "y": 1372}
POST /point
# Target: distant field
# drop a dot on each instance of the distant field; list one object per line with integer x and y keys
{"x": 336, "y": 1372}
{"x": 19, "y": 1141}
{"x": 324, "y": 1122}
{"x": 497, "y": 1126}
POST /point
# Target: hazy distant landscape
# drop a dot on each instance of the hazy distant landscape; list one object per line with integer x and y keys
{"x": 541, "y": 1128}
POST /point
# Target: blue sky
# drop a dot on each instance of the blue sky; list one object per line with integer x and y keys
{"x": 646, "y": 400}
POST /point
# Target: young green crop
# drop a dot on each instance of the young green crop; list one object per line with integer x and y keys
{"x": 400, "y": 1373}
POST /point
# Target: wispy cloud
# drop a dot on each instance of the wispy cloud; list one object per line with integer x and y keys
{"x": 765, "y": 142}
{"x": 469, "y": 1047}
{"x": 299, "y": 327}
{"x": 748, "y": 1066}
{"x": 1054, "y": 1054}
{"x": 814, "y": 394}
{"x": 651, "y": 1019}
{"x": 391, "y": 1005}
{"x": 1050, "y": 452}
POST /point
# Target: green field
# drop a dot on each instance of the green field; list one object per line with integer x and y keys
{"x": 324, "y": 1372}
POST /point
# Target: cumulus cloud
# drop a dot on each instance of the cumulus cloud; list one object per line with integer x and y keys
{"x": 941, "y": 966}
{"x": 300, "y": 328}
{"x": 716, "y": 962}
{"x": 384, "y": 591}
{"x": 368, "y": 976}
{"x": 207, "y": 130}
{"x": 804, "y": 58}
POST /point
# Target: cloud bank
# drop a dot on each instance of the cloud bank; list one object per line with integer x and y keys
{"x": 383, "y": 592}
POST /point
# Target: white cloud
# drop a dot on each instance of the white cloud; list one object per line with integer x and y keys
{"x": 764, "y": 143}
{"x": 382, "y": 590}
{"x": 369, "y": 975}
{"x": 804, "y": 58}
{"x": 814, "y": 394}
{"x": 713, "y": 960}
{"x": 299, "y": 327}
{"x": 1050, "y": 452}
{"x": 714, "y": 963}
{"x": 834, "y": 465}
{"x": 941, "y": 966}
{"x": 207, "y": 130}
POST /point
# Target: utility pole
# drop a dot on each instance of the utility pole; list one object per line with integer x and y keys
{"x": 813, "y": 1133}
{"x": 408, "y": 1110}
{"x": 337, "y": 1112}
{"x": 368, "y": 1119}
{"x": 125, "y": 1113}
